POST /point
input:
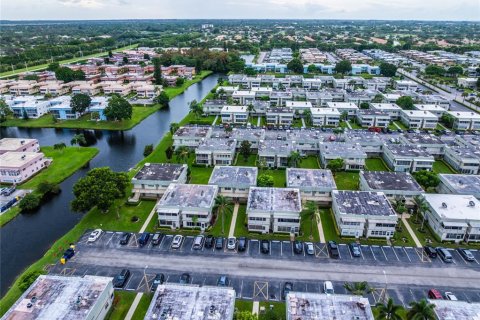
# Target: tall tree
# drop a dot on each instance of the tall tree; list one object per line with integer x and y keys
{"x": 78, "y": 139}
{"x": 335, "y": 165}
{"x": 157, "y": 71}
{"x": 196, "y": 108}
{"x": 388, "y": 69}
{"x": 357, "y": 288}
{"x": 100, "y": 187}
{"x": 421, "y": 310}
{"x": 245, "y": 149}
{"x": 265, "y": 180}
{"x": 182, "y": 153}
{"x": 294, "y": 159}
{"x": 295, "y": 65}
{"x": 422, "y": 208}
{"x": 389, "y": 311}
{"x": 162, "y": 99}
{"x": 80, "y": 102}
{"x": 5, "y": 111}
{"x": 223, "y": 206}
{"x": 343, "y": 67}
{"x": 405, "y": 102}
{"x": 174, "y": 127}
{"x": 311, "y": 213}
{"x": 427, "y": 179}
{"x": 307, "y": 115}
{"x": 118, "y": 109}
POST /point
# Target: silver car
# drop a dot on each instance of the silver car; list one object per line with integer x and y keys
{"x": 231, "y": 243}
{"x": 177, "y": 241}
{"x": 310, "y": 248}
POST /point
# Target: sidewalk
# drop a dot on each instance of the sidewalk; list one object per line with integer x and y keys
{"x": 410, "y": 231}
{"x": 134, "y": 306}
{"x": 320, "y": 231}
{"x": 234, "y": 219}
{"x": 256, "y": 307}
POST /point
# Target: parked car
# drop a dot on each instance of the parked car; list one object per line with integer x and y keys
{"x": 219, "y": 243}
{"x": 184, "y": 278}
{"x": 466, "y": 254}
{"x": 265, "y": 246}
{"x": 198, "y": 242}
{"x": 298, "y": 247}
{"x": 328, "y": 287}
{"x": 158, "y": 280}
{"x": 333, "y": 249}
{"x": 156, "y": 239}
{"x": 434, "y": 294}
{"x": 143, "y": 240}
{"x": 287, "y": 287}
{"x": 209, "y": 241}
{"x": 121, "y": 279}
{"x": 125, "y": 238}
{"x": 94, "y": 235}
{"x": 177, "y": 241}
{"x": 445, "y": 255}
{"x": 68, "y": 254}
{"x": 355, "y": 249}
{"x": 8, "y": 191}
{"x": 310, "y": 248}
{"x": 450, "y": 296}
{"x": 430, "y": 251}
{"x": 242, "y": 244}
{"x": 222, "y": 281}
{"x": 232, "y": 241}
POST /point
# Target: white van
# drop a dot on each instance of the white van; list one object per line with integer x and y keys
{"x": 198, "y": 242}
{"x": 328, "y": 287}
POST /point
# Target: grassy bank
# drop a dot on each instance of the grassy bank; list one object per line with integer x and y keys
{"x": 175, "y": 91}
{"x": 73, "y": 60}
{"x": 65, "y": 163}
{"x": 47, "y": 121}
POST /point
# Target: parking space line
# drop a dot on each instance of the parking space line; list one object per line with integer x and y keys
{"x": 339, "y": 254}
{"x": 373, "y": 254}
{"x": 361, "y": 252}
{"x": 393, "y": 249}
{"x": 350, "y": 252}
{"x": 405, "y": 250}
{"x": 241, "y": 289}
{"x": 128, "y": 281}
{"x": 281, "y": 248}
{"x": 108, "y": 241}
{"x": 381, "y": 248}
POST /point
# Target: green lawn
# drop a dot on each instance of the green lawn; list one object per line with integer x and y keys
{"x": 65, "y": 163}
{"x": 143, "y": 305}
{"x": 175, "y": 91}
{"x": 200, "y": 175}
{"x": 310, "y": 162}
{"x": 121, "y": 303}
{"x": 44, "y": 66}
{"x": 354, "y": 125}
{"x": 401, "y": 125}
{"x": 241, "y": 229}
{"x": 84, "y": 122}
{"x": 250, "y": 162}
{"x": 216, "y": 229}
{"x": 347, "y": 180}
{"x": 376, "y": 164}
{"x": 439, "y": 166}
{"x": 297, "y": 123}
{"x": 308, "y": 230}
{"x": 279, "y": 176}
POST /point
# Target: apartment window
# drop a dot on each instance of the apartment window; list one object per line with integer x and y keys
{"x": 385, "y": 225}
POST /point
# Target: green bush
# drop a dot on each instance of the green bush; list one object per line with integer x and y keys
{"x": 29, "y": 202}
{"x": 27, "y": 279}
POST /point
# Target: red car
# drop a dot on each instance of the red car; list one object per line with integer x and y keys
{"x": 375, "y": 129}
{"x": 434, "y": 294}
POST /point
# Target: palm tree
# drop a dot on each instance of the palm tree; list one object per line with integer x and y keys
{"x": 389, "y": 311}
{"x": 464, "y": 95}
{"x": 222, "y": 205}
{"x": 311, "y": 213}
{"x": 196, "y": 108}
{"x": 251, "y": 108}
{"x": 182, "y": 154}
{"x": 78, "y": 139}
{"x": 357, "y": 288}
{"x": 399, "y": 205}
{"x": 422, "y": 208}
{"x": 307, "y": 114}
{"x": 421, "y": 310}
{"x": 294, "y": 159}
{"x": 174, "y": 127}
{"x": 351, "y": 83}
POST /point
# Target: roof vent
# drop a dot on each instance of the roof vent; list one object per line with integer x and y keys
{"x": 444, "y": 205}
{"x": 471, "y": 203}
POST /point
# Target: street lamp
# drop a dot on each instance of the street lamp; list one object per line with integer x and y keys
{"x": 145, "y": 278}
{"x": 385, "y": 289}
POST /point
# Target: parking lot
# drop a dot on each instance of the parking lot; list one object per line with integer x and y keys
{"x": 370, "y": 254}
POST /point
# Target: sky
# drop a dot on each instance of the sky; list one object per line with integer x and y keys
{"x": 240, "y": 9}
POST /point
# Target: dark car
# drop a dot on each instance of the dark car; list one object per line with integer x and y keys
{"x": 68, "y": 254}
{"x": 265, "y": 246}
{"x": 355, "y": 249}
{"x": 410, "y": 131}
{"x": 121, "y": 278}
{"x": 287, "y": 287}
{"x": 219, "y": 243}
{"x": 333, "y": 249}
{"x": 156, "y": 239}
{"x": 209, "y": 241}
{"x": 125, "y": 238}
{"x": 430, "y": 251}
{"x": 399, "y": 130}
{"x": 298, "y": 247}
{"x": 242, "y": 244}
{"x": 158, "y": 280}
{"x": 8, "y": 191}
{"x": 143, "y": 240}
{"x": 184, "y": 278}
{"x": 466, "y": 254}
{"x": 222, "y": 281}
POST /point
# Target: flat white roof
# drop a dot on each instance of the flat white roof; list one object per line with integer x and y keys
{"x": 13, "y": 144}
{"x": 17, "y": 159}
{"x": 385, "y": 106}
{"x": 456, "y": 310}
{"x": 325, "y": 111}
{"x": 419, "y": 114}
{"x": 429, "y": 107}
{"x": 244, "y": 93}
{"x": 465, "y": 114}
{"x": 342, "y": 105}
{"x": 298, "y": 104}
{"x": 234, "y": 108}
{"x": 454, "y": 206}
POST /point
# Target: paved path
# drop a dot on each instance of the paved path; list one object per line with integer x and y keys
{"x": 303, "y": 123}
{"x": 145, "y": 224}
{"x": 320, "y": 231}
{"x": 215, "y": 120}
{"x": 410, "y": 230}
{"x": 348, "y": 125}
{"x": 134, "y": 305}
{"x": 255, "y": 307}
{"x": 396, "y": 125}
{"x": 234, "y": 219}
{"x": 259, "y": 121}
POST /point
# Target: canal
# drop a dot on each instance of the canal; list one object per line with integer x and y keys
{"x": 26, "y": 238}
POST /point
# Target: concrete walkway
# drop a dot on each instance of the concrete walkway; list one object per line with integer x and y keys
{"x": 215, "y": 120}
{"x": 256, "y": 307}
{"x": 320, "y": 231}
{"x": 396, "y": 125}
{"x": 348, "y": 125}
{"x": 410, "y": 230}
{"x": 234, "y": 220}
{"x": 303, "y": 123}
{"x": 149, "y": 218}
{"x": 134, "y": 306}
{"x": 259, "y": 120}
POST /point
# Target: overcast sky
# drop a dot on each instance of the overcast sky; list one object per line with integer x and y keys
{"x": 255, "y": 9}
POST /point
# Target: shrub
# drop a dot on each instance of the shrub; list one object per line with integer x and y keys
{"x": 27, "y": 279}
{"x": 29, "y": 202}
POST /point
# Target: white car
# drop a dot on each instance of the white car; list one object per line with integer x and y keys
{"x": 328, "y": 287}
{"x": 231, "y": 243}
{"x": 450, "y": 296}
{"x": 94, "y": 235}
{"x": 310, "y": 248}
{"x": 177, "y": 241}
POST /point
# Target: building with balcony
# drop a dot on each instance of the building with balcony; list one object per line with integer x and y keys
{"x": 314, "y": 184}
{"x": 234, "y": 182}
{"x": 407, "y": 158}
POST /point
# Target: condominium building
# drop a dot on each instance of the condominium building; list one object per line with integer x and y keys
{"x": 405, "y": 85}
{"x": 314, "y": 184}
{"x": 18, "y": 145}
{"x": 243, "y": 97}
{"x": 55, "y": 88}
{"x": 17, "y": 167}
{"x": 466, "y": 184}
{"x": 234, "y": 182}
{"x": 416, "y": 119}
{"x": 325, "y": 117}
{"x": 407, "y": 158}
{"x": 274, "y": 210}
{"x": 234, "y": 114}
{"x": 433, "y": 108}
{"x": 275, "y": 153}
{"x": 212, "y": 152}
{"x": 392, "y": 109}
{"x": 453, "y": 217}
{"x": 60, "y": 108}
{"x": 464, "y": 160}
{"x": 349, "y": 107}
{"x": 364, "y": 213}
{"x": 186, "y": 205}
{"x": 372, "y": 118}
{"x": 465, "y": 120}
{"x": 353, "y": 155}
{"x": 29, "y": 107}
{"x": 299, "y": 106}
{"x": 24, "y": 87}
{"x": 279, "y": 116}
{"x": 191, "y": 136}
{"x": 429, "y": 142}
